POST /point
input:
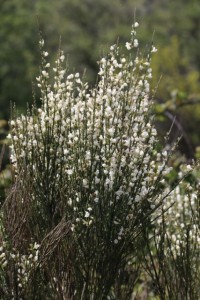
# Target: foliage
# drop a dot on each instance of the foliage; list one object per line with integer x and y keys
{"x": 5, "y": 172}
{"x": 90, "y": 176}
{"x": 85, "y": 36}
{"x": 17, "y": 55}
{"x": 178, "y": 92}
{"x": 90, "y": 183}
{"x": 173, "y": 251}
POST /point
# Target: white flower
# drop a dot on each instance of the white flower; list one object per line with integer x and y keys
{"x": 71, "y": 76}
{"x": 154, "y": 49}
{"x": 36, "y": 258}
{"x": 85, "y": 182}
{"x": 149, "y": 76}
{"x": 164, "y": 153}
{"x": 136, "y": 24}
{"x": 111, "y": 131}
{"x": 62, "y": 57}
{"x": 87, "y": 214}
{"x": 145, "y": 134}
{"x": 70, "y": 202}
{"x": 41, "y": 42}
{"x": 88, "y": 155}
{"x": 70, "y": 172}
{"x": 189, "y": 167}
{"x": 135, "y": 43}
{"x": 45, "y": 74}
{"x": 2, "y": 255}
{"x": 112, "y": 47}
{"x": 36, "y": 246}
{"x": 5, "y": 263}
{"x": 128, "y": 46}
{"x": 66, "y": 151}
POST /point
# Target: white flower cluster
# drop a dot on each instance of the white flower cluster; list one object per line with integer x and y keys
{"x": 182, "y": 220}
{"x": 98, "y": 146}
{"x": 24, "y": 263}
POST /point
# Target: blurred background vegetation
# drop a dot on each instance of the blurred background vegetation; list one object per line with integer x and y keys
{"x": 87, "y": 28}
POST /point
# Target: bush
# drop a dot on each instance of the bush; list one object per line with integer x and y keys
{"x": 90, "y": 177}
{"x": 173, "y": 251}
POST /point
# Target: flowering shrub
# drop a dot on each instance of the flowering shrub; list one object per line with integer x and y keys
{"x": 173, "y": 261}
{"x": 16, "y": 271}
{"x": 90, "y": 175}
{"x": 92, "y": 148}
{"x": 182, "y": 218}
